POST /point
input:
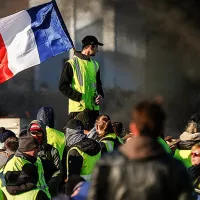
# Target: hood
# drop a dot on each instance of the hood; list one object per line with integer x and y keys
{"x": 189, "y": 136}
{"x": 46, "y": 115}
{"x": 74, "y": 136}
{"x": 42, "y": 126}
{"x": 187, "y": 144}
{"x": 89, "y": 146}
{"x": 142, "y": 147}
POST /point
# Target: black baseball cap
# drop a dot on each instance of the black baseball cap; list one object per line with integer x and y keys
{"x": 90, "y": 40}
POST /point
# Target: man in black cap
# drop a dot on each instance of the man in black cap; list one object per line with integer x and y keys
{"x": 80, "y": 80}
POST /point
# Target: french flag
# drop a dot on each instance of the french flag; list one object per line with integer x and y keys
{"x": 30, "y": 37}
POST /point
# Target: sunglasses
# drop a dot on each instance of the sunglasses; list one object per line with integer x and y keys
{"x": 195, "y": 154}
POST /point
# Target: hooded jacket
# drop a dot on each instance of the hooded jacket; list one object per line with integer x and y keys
{"x": 54, "y": 137}
{"x": 140, "y": 170}
{"x": 50, "y": 160}
{"x": 76, "y": 138}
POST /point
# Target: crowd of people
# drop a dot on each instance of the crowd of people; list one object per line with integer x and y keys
{"x": 93, "y": 161}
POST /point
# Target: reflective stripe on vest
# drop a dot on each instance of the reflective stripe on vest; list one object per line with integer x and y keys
{"x": 88, "y": 163}
{"x": 95, "y": 65}
{"x": 16, "y": 164}
{"x": 78, "y": 71}
{"x": 2, "y": 180}
{"x": 32, "y": 195}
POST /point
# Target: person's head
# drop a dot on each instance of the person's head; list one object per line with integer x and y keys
{"x": 74, "y": 132}
{"x": 148, "y": 118}
{"x": 118, "y": 128}
{"x": 38, "y": 131}
{"x": 85, "y": 118}
{"x": 195, "y": 117}
{"x": 5, "y": 134}
{"x": 195, "y": 154}
{"x": 103, "y": 125}
{"x": 28, "y": 145}
{"x": 90, "y": 45}
{"x": 11, "y": 145}
{"x": 192, "y": 127}
{"x": 46, "y": 115}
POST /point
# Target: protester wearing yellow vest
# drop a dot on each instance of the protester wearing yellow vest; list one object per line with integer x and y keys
{"x": 80, "y": 80}
{"x": 49, "y": 155}
{"x": 24, "y": 172}
{"x": 108, "y": 139}
{"x": 83, "y": 152}
{"x": 54, "y": 137}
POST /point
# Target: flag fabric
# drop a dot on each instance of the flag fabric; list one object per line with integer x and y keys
{"x": 30, "y": 37}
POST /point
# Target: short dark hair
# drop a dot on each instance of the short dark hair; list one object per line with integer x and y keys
{"x": 149, "y": 118}
{"x": 11, "y": 144}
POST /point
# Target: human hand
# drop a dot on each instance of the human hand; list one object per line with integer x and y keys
{"x": 98, "y": 99}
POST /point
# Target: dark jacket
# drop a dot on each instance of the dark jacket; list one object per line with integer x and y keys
{"x": 186, "y": 144}
{"x": 140, "y": 170}
{"x": 67, "y": 77}
{"x": 51, "y": 162}
{"x": 76, "y": 138}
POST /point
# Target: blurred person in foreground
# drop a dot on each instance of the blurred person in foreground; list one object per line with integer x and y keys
{"x": 141, "y": 169}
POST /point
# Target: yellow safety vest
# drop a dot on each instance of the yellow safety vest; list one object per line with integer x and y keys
{"x": 1, "y": 194}
{"x": 84, "y": 81}
{"x": 56, "y": 139}
{"x": 110, "y": 143}
{"x": 30, "y": 195}
{"x": 88, "y": 163}
{"x": 16, "y": 164}
{"x": 184, "y": 156}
